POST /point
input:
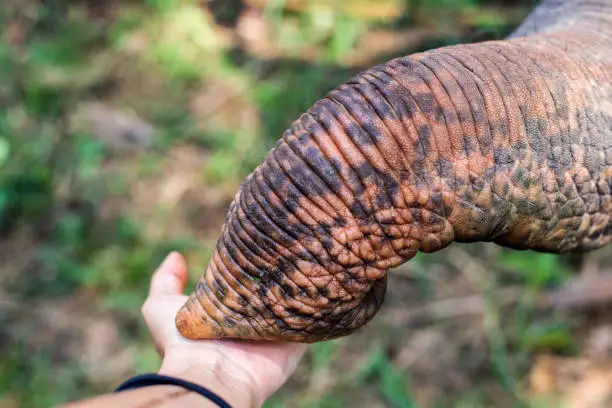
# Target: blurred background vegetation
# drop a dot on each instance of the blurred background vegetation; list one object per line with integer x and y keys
{"x": 125, "y": 130}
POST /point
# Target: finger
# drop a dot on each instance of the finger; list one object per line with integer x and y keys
{"x": 171, "y": 276}
{"x": 159, "y": 316}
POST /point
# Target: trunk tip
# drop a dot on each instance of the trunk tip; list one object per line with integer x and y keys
{"x": 202, "y": 321}
{"x": 192, "y": 324}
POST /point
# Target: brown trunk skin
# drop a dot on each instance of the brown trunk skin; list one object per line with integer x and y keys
{"x": 505, "y": 141}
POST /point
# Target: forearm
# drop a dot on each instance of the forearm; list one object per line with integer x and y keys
{"x": 158, "y": 396}
{"x": 169, "y": 396}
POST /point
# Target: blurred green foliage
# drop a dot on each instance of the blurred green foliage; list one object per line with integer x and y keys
{"x": 394, "y": 384}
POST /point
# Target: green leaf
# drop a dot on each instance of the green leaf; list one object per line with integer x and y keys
{"x": 394, "y": 386}
{"x": 552, "y": 335}
{"x": 4, "y": 200}
{"x": 345, "y": 35}
{"x": 5, "y": 151}
{"x": 323, "y": 354}
{"x": 163, "y": 6}
{"x": 538, "y": 270}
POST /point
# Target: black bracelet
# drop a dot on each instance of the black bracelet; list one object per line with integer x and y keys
{"x": 146, "y": 380}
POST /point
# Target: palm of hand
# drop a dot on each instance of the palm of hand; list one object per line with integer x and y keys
{"x": 262, "y": 367}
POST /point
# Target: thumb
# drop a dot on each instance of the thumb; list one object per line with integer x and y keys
{"x": 171, "y": 276}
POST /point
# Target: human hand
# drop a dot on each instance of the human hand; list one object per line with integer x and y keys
{"x": 243, "y": 373}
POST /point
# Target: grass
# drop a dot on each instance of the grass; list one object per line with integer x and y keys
{"x": 72, "y": 196}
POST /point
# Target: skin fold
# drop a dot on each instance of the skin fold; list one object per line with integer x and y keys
{"x": 503, "y": 141}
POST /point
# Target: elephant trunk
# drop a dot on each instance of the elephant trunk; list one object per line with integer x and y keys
{"x": 499, "y": 141}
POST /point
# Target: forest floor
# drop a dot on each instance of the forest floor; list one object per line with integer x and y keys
{"x": 125, "y": 130}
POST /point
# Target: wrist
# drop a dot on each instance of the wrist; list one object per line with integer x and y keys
{"x": 213, "y": 372}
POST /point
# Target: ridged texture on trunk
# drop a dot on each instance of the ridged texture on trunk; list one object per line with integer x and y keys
{"x": 503, "y": 141}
